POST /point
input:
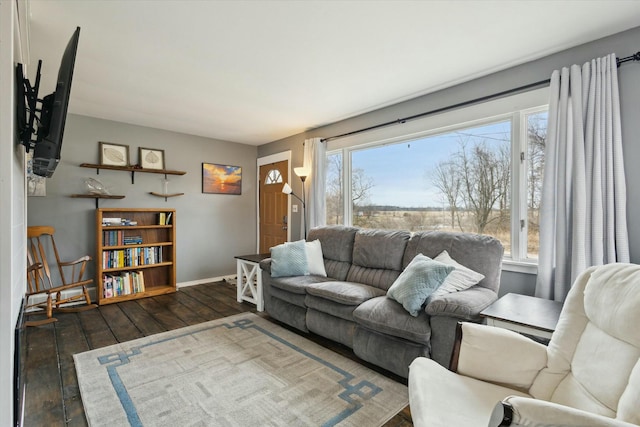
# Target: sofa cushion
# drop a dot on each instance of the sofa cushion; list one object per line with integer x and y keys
{"x": 464, "y": 305}
{"x": 380, "y": 248}
{"x": 330, "y": 307}
{"x": 290, "y": 314}
{"x": 337, "y": 241}
{"x": 290, "y": 297}
{"x": 378, "y": 277}
{"x": 417, "y": 282}
{"x": 295, "y": 284}
{"x": 347, "y": 293}
{"x": 332, "y": 327}
{"x": 377, "y": 257}
{"x": 289, "y": 259}
{"x": 337, "y": 248}
{"x": 392, "y": 353}
{"x": 459, "y": 279}
{"x": 386, "y": 316}
{"x": 480, "y": 253}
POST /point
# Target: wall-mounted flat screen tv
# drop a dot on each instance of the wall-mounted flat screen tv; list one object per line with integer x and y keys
{"x": 47, "y": 144}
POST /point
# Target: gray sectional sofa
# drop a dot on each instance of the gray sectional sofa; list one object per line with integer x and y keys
{"x": 350, "y": 305}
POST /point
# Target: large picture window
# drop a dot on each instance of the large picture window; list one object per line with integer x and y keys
{"x": 482, "y": 176}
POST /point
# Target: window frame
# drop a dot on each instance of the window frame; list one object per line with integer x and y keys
{"x": 515, "y": 108}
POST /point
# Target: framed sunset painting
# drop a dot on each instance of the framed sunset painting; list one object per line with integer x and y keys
{"x": 221, "y": 179}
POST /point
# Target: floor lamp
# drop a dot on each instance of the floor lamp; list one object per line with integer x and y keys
{"x": 302, "y": 172}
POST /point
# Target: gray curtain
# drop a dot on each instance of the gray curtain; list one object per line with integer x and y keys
{"x": 315, "y": 157}
{"x": 583, "y": 209}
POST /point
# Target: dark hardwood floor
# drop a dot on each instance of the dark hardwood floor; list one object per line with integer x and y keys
{"x": 52, "y": 395}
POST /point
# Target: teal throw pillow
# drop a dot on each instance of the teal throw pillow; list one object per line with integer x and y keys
{"x": 417, "y": 282}
{"x": 289, "y": 259}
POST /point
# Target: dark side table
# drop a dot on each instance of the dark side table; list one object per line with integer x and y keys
{"x": 525, "y": 314}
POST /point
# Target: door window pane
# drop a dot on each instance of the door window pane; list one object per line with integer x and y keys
{"x": 273, "y": 177}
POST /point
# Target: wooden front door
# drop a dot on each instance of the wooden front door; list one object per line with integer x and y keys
{"x": 273, "y": 205}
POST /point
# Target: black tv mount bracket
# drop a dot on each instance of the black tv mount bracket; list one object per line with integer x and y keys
{"x": 31, "y": 95}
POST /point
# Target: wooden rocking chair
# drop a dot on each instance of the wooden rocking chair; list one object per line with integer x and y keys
{"x": 40, "y": 244}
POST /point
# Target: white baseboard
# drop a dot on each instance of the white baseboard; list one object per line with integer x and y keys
{"x": 209, "y": 280}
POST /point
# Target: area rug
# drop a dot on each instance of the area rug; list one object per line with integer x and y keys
{"x": 238, "y": 371}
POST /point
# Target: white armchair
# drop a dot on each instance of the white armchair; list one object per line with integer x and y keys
{"x": 588, "y": 375}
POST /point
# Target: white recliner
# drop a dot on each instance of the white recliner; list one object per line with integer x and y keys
{"x": 588, "y": 375}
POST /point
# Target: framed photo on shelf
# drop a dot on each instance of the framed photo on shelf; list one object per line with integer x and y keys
{"x": 221, "y": 179}
{"x": 151, "y": 158}
{"x": 114, "y": 154}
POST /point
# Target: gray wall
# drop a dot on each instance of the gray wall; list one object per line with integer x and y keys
{"x": 623, "y": 44}
{"x": 211, "y": 228}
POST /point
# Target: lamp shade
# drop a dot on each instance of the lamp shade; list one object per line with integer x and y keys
{"x": 286, "y": 188}
{"x": 302, "y": 171}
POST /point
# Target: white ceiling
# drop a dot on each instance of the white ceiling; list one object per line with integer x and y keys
{"x": 257, "y": 71}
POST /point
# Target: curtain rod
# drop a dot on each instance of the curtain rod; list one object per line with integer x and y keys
{"x": 619, "y": 61}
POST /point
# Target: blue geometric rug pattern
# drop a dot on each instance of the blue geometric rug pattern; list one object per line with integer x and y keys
{"x": 237, "y": 371}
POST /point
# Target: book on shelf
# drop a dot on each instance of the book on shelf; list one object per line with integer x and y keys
{"x": 114, "y": 238}
{"x": 125, "y": 283}
{"x": 164, "y": 218}
{"x": 107, "y": 286}
{"x": 131, "y": 257}
{"x": 132, "y": 240}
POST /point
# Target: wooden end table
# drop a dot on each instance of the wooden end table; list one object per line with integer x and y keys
{"x": 525, "y": 314}
{"x": 249, "y": 279}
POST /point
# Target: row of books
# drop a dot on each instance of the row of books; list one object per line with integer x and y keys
{"x": 164, "y": 218}
{"x": 126, "y": 283}
{"x": 131, "y": 257}
{"x": 117, "y": 237}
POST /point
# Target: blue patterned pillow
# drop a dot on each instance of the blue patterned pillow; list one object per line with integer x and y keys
{"x": 417, "y": 282}
{"x": 289, "y": 259}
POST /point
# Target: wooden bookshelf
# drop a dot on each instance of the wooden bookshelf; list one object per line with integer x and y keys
{"x": 147, "y": 248}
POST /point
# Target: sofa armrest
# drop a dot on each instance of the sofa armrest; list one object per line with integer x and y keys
{"x": 499, "y": 356}
{"x": 265, "y": 265}
{"x": 525, "y": 411}
{"x": 464, "y": 305}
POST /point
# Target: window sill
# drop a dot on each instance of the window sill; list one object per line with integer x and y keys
{"x": 519, "y": 266}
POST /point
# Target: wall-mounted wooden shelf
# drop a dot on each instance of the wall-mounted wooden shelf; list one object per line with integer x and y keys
{"x": 132, "y": 169}
{"x": 96, "y": 196}
{"x": 165, "y": 195}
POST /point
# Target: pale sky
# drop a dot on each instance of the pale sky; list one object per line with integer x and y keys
{"x": 414, "y": 161}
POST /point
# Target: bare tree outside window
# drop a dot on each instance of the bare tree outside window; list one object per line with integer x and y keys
{"x": 477, "y": 178}
{"x": 334, "y": 193}
{"x": 445, "y": 177}
{"x": 537, "y": 138}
